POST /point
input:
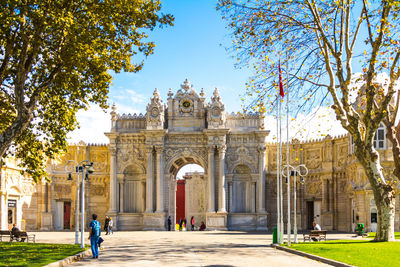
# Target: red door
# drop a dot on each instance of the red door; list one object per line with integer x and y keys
{"x": 180, "y": 200}
{"x": 67, "y": 214}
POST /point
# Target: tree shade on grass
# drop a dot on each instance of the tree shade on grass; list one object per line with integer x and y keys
{"x": 355, "y": 252}
{"x": 372, "y": 235}
{"x": 34, "y": 254}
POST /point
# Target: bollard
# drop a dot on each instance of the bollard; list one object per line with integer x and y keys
{"x": 275, "y": 236}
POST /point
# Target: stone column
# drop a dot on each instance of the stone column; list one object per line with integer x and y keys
{"x": 149, "y": 181}
{"x": 211, "y": 182}
{"x": 261, "y": 180}
{"x": 230, "y": 196}
{"x": 113, "y": 179}
{"x": 253, "y": 196}
{"x": 159, "y": 175}
{"x": 221, "y": 180}
{"x": 121, "y": 195}
{"x": 3, "y": 211}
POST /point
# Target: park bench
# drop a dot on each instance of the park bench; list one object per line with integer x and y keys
{"x": 6, "y": 234}
{"x": 318, "y": 234}
{"x": 22, "y": 236}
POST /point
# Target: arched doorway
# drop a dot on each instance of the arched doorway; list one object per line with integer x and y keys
{"x": 190, "y": 196}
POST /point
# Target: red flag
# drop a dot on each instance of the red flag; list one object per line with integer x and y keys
{"x": 280, "y": 81}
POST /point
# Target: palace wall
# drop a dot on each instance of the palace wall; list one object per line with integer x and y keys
{"x": 335, "y": 185}
{"x": 134, "y": 178}
{"x": 335, "y": 189}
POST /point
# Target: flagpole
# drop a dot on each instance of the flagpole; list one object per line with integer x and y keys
{"x": 278, "y": 220}
{"x": 280, "y": 165}
{"x": 287, "y": 150}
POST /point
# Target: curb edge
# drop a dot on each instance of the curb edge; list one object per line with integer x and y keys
{"x": 70, "y": 259}
{"x": 313, "y": 257}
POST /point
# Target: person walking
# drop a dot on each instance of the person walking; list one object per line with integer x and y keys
{"x": 110, "y": 226}
{"x": 94, "y": 235}
{"x": 106, "y": 222}
{"x": 192, "y": 223}
{"x": 180, "y": 224}
{"x": 169, "y": 222}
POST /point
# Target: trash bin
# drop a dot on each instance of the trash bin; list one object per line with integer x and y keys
{"x": 275, "y": 236}
{"x": 360, "y": 229}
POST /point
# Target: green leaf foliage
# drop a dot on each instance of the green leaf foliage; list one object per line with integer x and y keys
{"x": 55, "y": 58}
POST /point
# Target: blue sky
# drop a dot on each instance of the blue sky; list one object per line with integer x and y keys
{"x": 193, "y": 48}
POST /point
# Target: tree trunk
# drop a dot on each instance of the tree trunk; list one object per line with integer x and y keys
{"x": 383, "y": 194}
{"x": 385, "y": 203}
{"x": 13, "y": 131}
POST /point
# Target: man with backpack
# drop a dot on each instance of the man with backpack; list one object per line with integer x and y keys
{"x": 94, "y": 235}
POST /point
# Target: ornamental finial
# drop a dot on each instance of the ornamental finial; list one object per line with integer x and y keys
{"x": 186, "y": 85}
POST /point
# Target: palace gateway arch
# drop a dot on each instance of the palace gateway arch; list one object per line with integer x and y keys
{"x": 147, "y": 151}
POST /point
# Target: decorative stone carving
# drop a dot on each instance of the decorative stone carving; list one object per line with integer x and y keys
{"x": 62, "y": 191}
{"x": 241, "y": 156}
{"x": 216, "y": 112}
{"x": 100, "y": 160}
{"x": 155, "y": 113}
{"x": 314, "y": 188}
{"x": 186, "y": 152}
{"x": 28, "y": 188}
{"x": 313, "y": 159}
{"x": 342, "y": 153}
{"x": 129, "y": 154}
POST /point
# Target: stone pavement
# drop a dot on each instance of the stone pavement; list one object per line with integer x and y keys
{"x": 210, "y": 248}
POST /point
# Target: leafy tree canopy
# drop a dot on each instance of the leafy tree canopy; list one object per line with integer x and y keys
{"x": 319, "y": 40}
{"x": 55, "y": 58}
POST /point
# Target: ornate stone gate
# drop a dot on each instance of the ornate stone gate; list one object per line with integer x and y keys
{"x": 147, "y": 151}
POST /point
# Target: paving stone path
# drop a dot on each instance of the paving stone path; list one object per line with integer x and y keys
{"x": 213, "y": 248}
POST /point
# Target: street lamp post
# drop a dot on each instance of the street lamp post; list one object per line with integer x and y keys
{"x": 77, "y": 197}
{"x": 300, "y": 170}
{"x": 81, "y": 167}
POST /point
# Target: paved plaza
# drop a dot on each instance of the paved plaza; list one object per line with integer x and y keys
{"x": 210, "y": 248}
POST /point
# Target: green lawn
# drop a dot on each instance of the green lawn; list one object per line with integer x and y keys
{"x": 355, "y": 252}
{"x": 34, "y": 254}
{"x": 373, "y": 234}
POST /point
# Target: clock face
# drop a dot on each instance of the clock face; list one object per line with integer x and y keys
{"x": 154, "y": 112}
{"x": 186, "y": 104}
{"x": 216, "y": 112}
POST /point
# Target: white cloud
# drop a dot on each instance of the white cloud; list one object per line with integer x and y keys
{"x": 121, "y": 109}
{"x": 136, "y": 97}
{"x": 93, "y": 122}
{"x": 319, "y": 123}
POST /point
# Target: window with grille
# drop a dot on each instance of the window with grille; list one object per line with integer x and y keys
{"x": 379, "y": 138}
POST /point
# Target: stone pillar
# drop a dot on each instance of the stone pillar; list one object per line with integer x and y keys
{"x": 121, "y": 195}
{"x": 253, "y": 195}
{"x": 3, "y": 211}
{"x": 149, "y": 181}
{"x": 159, "y": 175}
{"x": 211, "y": 182}
{"x": 230, "y": 196}
{"x": 113, "y": 179}
{"x": 3, "y": 201}
{"x": 261, "y": 180}
{"x": 221, "y": 180}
